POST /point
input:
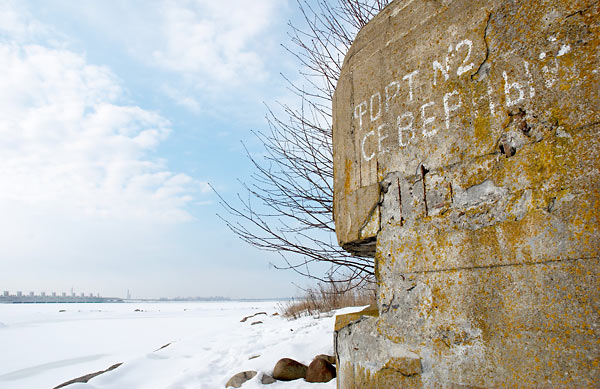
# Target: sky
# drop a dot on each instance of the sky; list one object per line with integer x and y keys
{"x": 114, "y": 118}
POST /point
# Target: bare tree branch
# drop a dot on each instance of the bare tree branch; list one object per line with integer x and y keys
{"x": 289, "y": 205}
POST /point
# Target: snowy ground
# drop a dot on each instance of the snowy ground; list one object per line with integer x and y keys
{"x": 41, "y": 347}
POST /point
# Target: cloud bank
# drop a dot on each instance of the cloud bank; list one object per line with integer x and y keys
{"x": 218, "y": 49}
{"x": 214, "y": 41}
{"x": 68, "y": 140}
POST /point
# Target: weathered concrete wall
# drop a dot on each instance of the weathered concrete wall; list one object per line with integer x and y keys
{"x": 467, "y": 146}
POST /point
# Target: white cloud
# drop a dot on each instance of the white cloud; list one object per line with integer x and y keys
{"x": 215, "y": 42}
{"x": 67, "y": 142}
{"x": 185, "y": 100}
{"x": 203, "y": 54}
{"x": 14, "y": 21}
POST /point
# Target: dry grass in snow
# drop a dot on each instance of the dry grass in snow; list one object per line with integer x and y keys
{"x": 325, "y": 298}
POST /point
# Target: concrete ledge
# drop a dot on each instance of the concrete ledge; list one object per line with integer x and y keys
{"x": 342, "y": 321}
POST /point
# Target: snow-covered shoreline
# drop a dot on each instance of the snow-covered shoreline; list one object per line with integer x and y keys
{"x": 44, "y": 347}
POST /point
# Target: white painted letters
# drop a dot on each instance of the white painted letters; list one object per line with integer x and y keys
{"x": 406, "y": 127}
{"x": 530, "y": 80}
{"x": 448, "y": 108}
{"x": 359, "y": 111}
{"x": 378, "y": 115}
{"x": 362, "y": 146}
{"x": 409, "y": 77}
{"x": 463, "y": 68}
{"x": 490, "y": 96}
{"x": 437, "y": 66}
{"x": 508, "y": 87}
{"x": 388, "y": 98}
{"x": 550, "y": 74}
{"x": 427, "y": 120}
{"x": 406, "y": 94}
{"x": 380, "y": 139}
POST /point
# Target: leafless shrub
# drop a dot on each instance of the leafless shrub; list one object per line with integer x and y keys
{"x": 327, "y": 297}
{"x": 288, "y": 207}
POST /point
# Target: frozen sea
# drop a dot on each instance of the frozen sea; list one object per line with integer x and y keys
{"x": 44, "y": 345}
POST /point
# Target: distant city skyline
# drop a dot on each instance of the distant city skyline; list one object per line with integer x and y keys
{"x": 58, "y": 296}
{"x": 53, "y": 294}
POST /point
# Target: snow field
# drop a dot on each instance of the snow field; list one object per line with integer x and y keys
{"x": 41, "y": 347}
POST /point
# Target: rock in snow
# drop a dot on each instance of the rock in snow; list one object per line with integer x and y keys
{"x": 251, "y": 316}
{"x": 87, "y": 377}
{"x": 237, "y": 380}
{"x": 328, "y": 358}
{"x": 320, "y": 370}
{"x": 287, "y": 369}
{"x": 267, "y": 379}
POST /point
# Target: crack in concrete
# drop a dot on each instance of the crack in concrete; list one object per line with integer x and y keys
{"x": 580, "y": 12}
{"x": 370, "y": 216}
{"x": 483, "y": 267}
{"x": 400, "y": 202}
{"x": 487, "y": 47}
{"x": 585, "y": 126}
{"x": 424, "y": 171}
{"x": 385, "y": 308}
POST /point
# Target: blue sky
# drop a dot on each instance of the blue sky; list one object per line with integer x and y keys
{"x": 114, "y": 116}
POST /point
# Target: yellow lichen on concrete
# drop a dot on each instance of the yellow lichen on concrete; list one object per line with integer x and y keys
{"x": 477, "y": 132}
{"x": 344, "y": 320}
{"x": 360, "y": 378}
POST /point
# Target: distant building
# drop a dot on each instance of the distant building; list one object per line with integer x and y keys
{"x": 51, "y": 297}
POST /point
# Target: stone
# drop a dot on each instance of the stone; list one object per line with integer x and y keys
{"x": 320, "y": 370}
{"x": 287, "y": 369}
{"x": 267, "y": 379}
{"x": 251, "y": 316}
{"x": 238, "y": 380}
{"x": 256, "y": 322}
{"x": 162, "y": 347}
{"x": 87, "y": 377}
{"x": 328, "y": 358}
{"x": 466, "y": 151}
